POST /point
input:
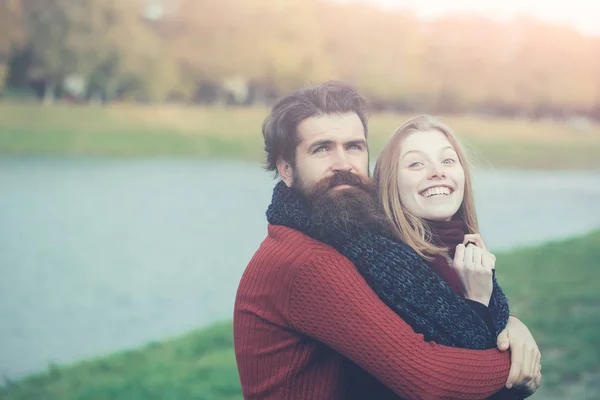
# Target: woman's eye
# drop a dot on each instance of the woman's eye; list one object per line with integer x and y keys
{"x": 449, "y": 161}
{"x": 415, "y": 164}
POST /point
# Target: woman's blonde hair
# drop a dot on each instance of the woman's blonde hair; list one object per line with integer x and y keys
{"x": 409, "y": 228}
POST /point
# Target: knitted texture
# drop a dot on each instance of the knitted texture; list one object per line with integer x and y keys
{"x": 400, "y": 277}
{"x": 303, "y": 316}
{"x": 447, "y": 234}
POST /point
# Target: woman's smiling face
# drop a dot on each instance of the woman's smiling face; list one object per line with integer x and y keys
{"x": 431, "y": 179}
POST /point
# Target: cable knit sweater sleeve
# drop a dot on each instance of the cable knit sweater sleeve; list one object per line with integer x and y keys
{"x": 332, "y": 303}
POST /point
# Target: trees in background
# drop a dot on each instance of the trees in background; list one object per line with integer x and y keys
{"x": 11, "y": 35}
{"x": 250, "y": 51}
{"x": 104, "y": 43}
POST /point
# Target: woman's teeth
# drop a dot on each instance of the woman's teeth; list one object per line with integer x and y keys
{"x": 436, "y": 191}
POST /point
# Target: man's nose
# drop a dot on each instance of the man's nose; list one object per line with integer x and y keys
{"x": 341, "y": 162}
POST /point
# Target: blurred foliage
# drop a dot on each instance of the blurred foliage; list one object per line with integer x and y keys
{"x": 553, "y": 288}
{"x": 251, "y": 51}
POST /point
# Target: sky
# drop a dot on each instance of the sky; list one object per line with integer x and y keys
{"x": 583, "y": 15}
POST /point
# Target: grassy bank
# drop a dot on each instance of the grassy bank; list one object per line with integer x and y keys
{"x": 133, "y": 130}
{"x": 199, "y": 365}
{"x": 554, "y": 288}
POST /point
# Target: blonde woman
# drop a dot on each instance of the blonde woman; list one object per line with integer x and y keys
{"x": 424, "y": 185}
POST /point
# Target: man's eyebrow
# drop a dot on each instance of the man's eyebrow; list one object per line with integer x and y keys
{"x": 320, "y": 143}
{"x": 329, "y": 142}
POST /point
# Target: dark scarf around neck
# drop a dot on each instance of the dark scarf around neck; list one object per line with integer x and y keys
{"x": 402, "y": 280}
{"x": 447, "y": 234}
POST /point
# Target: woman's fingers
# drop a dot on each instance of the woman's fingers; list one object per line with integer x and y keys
{"x": 516, "y": 364}
{"x": 469, "y": 262}
{"x": 475, "y": 279}
{"x": 538, "y": 363}
{"x": 538, "y": 371}
{"x": 488, "y": 260}
{"x": 526, "y": 374}
{"x": 477, "y": 257}
{"x": 475, "y": 238}
{"x": 459, "y": 256}
{"x": 532, "y": 363}
{"x": 529, "y": 370}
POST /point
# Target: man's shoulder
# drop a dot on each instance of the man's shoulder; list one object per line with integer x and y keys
{"x": 290, "y": 249}
{"x": 284, "y": 235}
{"x": 291, "y": 243}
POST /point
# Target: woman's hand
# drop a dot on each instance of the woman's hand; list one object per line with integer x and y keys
{"x": 476, "y": 239}
{"x": 488, "y": 259}
{"x": 525, "y": 357}
{"x": 474, "y": 268}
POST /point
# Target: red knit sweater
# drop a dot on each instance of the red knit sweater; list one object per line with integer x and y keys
{"x": 302, "y": 310}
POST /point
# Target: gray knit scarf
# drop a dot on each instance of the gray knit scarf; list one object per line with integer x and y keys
{"x": 400, "y": 277}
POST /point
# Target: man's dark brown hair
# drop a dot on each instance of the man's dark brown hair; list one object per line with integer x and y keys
{"x": 280, "y": 129}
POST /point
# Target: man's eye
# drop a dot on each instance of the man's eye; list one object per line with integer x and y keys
{"x": 355, "y": 147}
{"x": 320, "y": 149}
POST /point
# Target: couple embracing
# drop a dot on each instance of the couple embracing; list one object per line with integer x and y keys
{"x": 373, "y": 288}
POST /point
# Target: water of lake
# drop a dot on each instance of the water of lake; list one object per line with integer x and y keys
{"x": 99, "y": 255}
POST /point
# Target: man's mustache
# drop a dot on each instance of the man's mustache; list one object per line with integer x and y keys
{"x": 340, "y": 178}
{"x": 344, "y": 178}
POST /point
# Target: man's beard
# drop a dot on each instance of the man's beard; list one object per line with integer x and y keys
{"x": 344, "y": 211}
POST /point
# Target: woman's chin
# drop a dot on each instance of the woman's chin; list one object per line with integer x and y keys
{"x": 438, "y": 216}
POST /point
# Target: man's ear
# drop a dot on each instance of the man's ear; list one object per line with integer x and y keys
{"x": 285, "y": 171}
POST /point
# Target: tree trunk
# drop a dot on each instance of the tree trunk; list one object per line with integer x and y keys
{"x": 3, "y": 76}
{"x": 49, "y": 93}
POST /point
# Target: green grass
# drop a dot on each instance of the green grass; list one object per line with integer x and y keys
{"x": 134, "y": 130}
{"x": 199, "y": 365}
{"x": 554, "y": 289}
